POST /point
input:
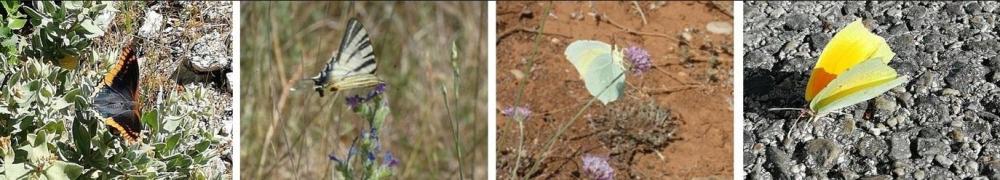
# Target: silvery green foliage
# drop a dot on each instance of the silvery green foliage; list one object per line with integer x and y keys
{"x": 13, "y": 21}
{"x": 49, "y": 130}
{"x": 635, "y": 126}
{"x": 64, "y": 30}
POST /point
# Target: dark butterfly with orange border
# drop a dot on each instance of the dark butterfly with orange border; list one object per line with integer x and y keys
{"x": 117, "y": 100}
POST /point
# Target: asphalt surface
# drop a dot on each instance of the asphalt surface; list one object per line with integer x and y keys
{"x": 942, "y": 124}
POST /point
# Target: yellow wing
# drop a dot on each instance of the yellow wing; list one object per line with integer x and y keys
{"x": 847, "y": 48}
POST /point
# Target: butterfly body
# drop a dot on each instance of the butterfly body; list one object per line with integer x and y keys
{"x": 117, "y": 100}
{"x": 352, "y": 66}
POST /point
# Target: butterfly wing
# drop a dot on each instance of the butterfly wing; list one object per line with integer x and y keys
{"x": 860, "y": 83}
{"x": 847, "y": 48}
{"x": 583, "y": 52}
{"x": 354, "y": 57}
{"x": 117, "y": 99}
{"x": 599, "y": 66}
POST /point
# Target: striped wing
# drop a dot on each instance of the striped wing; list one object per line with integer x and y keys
{"x": 355, "y": 57}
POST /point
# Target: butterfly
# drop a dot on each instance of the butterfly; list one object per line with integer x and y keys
{"x": 352, "y": 66}
{"x": 852, "y": 68}
{"x": 117, "y": 100}
{"x": 600, "y": 66}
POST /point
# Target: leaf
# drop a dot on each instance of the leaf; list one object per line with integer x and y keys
{"x": 149, "y": 118}
{"x": 72, "y": 5}
{"x": 61, "y": 170}
{"x": 35, "y": 16}
{"x": 171, "y": 143}
{"x": 171, "y": 125}
{"x": 93, "y": 30}
{"x": 16, "y": 23}
{"x": 81, "y": 136}
{"x": 16, "y": 171}
{"x": 180, "y": 161}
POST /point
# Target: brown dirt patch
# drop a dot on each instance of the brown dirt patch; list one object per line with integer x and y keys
{"x": 695, "y": 83}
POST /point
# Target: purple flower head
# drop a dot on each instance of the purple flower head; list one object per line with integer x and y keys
{"x": 389, "y": 160}
{"x": 597, "y": 167}
{"x": 379, "y": 89}
{"x": 355, "y": 100}
{"x": 517, "y": 112}
{"x": 639, "y": 59}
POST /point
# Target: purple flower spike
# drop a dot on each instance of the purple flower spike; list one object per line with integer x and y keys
{"x": 597, "y": 167}
{"x": 354, "y": 101}
{"x": 517, "y": 112}
{"x": 379, "y": 89}
{"x": 639, "y": 59}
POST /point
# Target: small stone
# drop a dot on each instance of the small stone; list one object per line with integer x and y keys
{"x": 517, "y": 74}
{"x": 920, "y": 174}
{"x": 954, "y": 8}
{"x": 780, "y": 160}
{"x": 900, "y": 144}
{"x": 958, "y": 136}
{"x": 915, "y": 12}
{"x": 927, "y": 147}
{"x": 817, "y": 41}
{"x": 821, "y": 155}
{"x": 210, "y": 53}
{"x": 798, "y": 22}
{"x": 719, "y": 27}
{"x": 973, "y": 7}
{"x": 151, "y": 25}
{"x": 944, "y": 161}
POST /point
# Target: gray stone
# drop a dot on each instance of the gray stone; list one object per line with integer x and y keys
{"x": 900, "y": 144}
{"x": 821, "y": 155}
{"x": 210, "y": 53}
{"x": 871, "y": 148}
{"x": 798, "y": 22}
{"x": 780, "y": 161}
{"x": 151, "y": 24}
{"x": 927, "y": 147}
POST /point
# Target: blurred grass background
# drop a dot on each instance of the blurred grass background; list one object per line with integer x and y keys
{"x": 283, "y": 42}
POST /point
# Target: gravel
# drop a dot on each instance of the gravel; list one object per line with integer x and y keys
{"x": 937, "y": 126}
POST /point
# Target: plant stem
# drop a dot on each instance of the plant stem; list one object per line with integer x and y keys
{"x": 520, "y": 92}
{"x": 454, "y": 132}
{"x": 566, "y": 125}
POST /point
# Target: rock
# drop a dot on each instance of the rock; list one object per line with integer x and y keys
{"x": 871, "y": 148}
{"x": 821, "y": 155}
{"x": 927, "y": 147}
{"x": 944, "y": 161}
{"x": 780, "y": 160}
{"x": 210, "y": 53}
{"x": 817, "y": 41}
{"x": 719, "y": 27}
{"x": 798, "y": 22}
{"x": 900, "y": 144}
{"x": 954, "y": 9}
{"x": 151, "y": 24}
{"x": 915, "y": 12}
